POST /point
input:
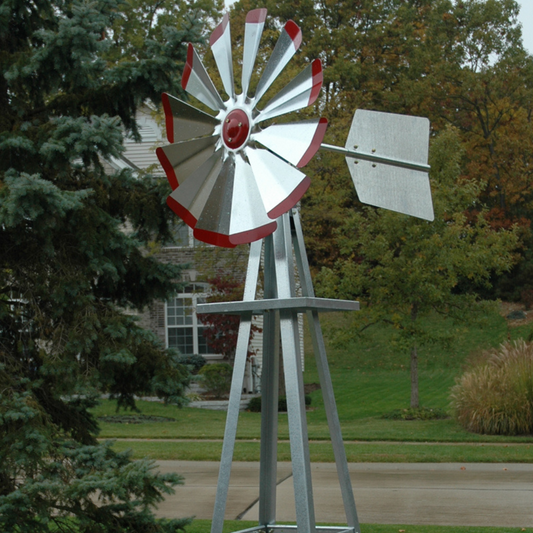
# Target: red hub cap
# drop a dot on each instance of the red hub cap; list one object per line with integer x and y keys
{"x": 235, "y": 129}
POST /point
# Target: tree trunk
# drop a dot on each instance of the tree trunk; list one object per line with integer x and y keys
{"x": 414, "y": 378}
{"x": 414, "y": 364}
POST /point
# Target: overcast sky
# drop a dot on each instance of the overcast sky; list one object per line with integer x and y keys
{"x": 526, "y": 18}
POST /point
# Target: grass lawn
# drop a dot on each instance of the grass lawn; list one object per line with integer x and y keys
{"x": 375, "y": 452}
{"x": 204, "y": 526}
{"x": 370, "y": 379}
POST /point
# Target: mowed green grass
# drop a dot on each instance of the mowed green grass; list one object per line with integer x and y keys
{"x": 362, "y": 399}
{"x": 373, "y": 452}
{"x": 204, "y": 526}
{"x": 370, "y": 378}
{"x": 230, "y": 526}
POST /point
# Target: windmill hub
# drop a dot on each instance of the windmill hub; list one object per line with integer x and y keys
{"x": 235, "y": 129}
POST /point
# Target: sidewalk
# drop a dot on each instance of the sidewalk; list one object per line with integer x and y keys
{"x": 469, "y": 494}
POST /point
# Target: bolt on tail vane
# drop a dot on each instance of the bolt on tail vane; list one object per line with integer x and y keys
{"x": 230, "y": 178}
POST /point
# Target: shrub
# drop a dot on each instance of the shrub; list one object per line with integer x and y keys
{"x": 216, "y": 379}
{"x": 254, "y": 405}
{"x": 194, "y": 362}
{"x": 282, "y": 404}
{"x": 422, "y": 413}
{"x": 516, "y": 315}
{"x": 495, "y": 397}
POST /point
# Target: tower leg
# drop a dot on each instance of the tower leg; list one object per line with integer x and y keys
{"x": 269, "y": 397}
{"x": 325, "y": 378}
{"x": 237, "y": 381}
{"x": 290, "y": 342}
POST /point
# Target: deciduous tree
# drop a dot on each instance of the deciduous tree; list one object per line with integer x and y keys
{"x": 222, "y": 331}
{"x": 460, "y": 63}
{"x": 405, "y": 268}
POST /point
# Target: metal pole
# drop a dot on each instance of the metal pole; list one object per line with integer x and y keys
{"x": 269, "y": 397}
{"x": 354, "y": 154}
{"x": 325, "y": 378}
{"x": 299, "y": 441}
{"x": 239, "y": 367}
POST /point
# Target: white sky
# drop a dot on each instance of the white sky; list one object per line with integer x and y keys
{"x": 526, "y": 18}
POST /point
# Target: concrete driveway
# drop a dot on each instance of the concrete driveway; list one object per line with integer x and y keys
{"x": 470, "y": 494}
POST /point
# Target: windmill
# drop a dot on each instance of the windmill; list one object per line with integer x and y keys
{"x": 234, "y": 182}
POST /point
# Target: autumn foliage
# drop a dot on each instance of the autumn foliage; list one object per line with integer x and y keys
{"x": 223, "y": 330}
{"x": 458, "y": 63}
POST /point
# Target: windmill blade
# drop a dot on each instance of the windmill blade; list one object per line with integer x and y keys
{"x": 184, "y": 122}
{"x": 280, "y": 184}
{"x": 226, "y": 208}
{"x": 189, "y": 199}
{"x": 253, "y": 29}
{"x": 181, "y": 159}
{"x": 297, "y": 142}
{"x": 394, "y": 137}
{"x": 301, "y": 92}
{"x": 197, "y": 82}
{"x": 288, "y": 43}
{"x": 212, "y": 225}
{"x": 249, "y": 221}
{"x": 220, "y": 42}
{"x": 233, "y": 212}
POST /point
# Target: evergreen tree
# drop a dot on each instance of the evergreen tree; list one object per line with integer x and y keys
{"x": 74, "y": 237}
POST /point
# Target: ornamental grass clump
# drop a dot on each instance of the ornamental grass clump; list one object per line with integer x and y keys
{"x": 495, "y": 397}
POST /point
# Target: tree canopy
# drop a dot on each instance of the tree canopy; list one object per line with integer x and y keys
{"x": 73, "y": 255}
{"x": 405, "y": 268}
{"x": 459, "y": 63}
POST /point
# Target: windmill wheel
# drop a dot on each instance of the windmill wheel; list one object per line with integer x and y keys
{"x": 230, "y": 178}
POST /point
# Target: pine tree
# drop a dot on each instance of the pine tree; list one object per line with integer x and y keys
{"x": 74, "y": 264}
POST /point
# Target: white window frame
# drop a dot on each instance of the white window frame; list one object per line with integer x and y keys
{"x": 194, "y": 297}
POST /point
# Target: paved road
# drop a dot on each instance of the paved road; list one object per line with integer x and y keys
{"x": 470, "y": 494}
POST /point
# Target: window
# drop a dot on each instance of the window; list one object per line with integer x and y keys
{"x": 183, "y": 237}
{"x": 184, "y": 329}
